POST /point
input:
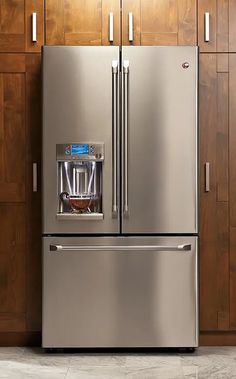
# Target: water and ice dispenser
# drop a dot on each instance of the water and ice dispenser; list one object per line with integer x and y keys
{"x": 80, "y": 180}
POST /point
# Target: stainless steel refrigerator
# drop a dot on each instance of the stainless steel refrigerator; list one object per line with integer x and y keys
{"x": 120, "y": 197}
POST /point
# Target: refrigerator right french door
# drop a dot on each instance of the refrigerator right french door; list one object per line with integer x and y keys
{"x": 159, "y": 140}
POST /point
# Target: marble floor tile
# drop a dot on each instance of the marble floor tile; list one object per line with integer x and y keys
{"x": 205, "y": 363}
{"x": 96, "y": 372}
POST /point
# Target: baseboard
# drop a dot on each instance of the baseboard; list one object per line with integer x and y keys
{"x": 212, "y": 338}
{"x": 20, "y": 339}
{"x": 218, "y": 338}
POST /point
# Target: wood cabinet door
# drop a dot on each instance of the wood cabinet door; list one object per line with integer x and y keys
{"x": 159, "y": 22}
{"x": 214, "y": 191}
{"x": 16, "y": 25}
{"x": 217, "y": 25}
{"x": 19, "y": 206}
{"x": 232, "y": 186}
{"x": 79, "y": 22}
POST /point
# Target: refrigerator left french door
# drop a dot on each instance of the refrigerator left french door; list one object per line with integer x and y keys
{"x": 80, "y": 139}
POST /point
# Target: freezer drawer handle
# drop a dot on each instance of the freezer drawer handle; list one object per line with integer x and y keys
{"x": 131, "y": 34}
{"x": 34, "y": 27}
{"x": 114, "y": 136}
{"x": 185, "y": 247}
{"x": 207, "y": 26}
{"x": 111, "y": 27}
{"x": 125, "y": 131}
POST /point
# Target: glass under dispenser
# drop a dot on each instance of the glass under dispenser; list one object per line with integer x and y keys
{"x": 80, "y": 181}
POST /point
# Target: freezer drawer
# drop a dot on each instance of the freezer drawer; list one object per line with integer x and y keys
{"x": 120, "y": 292}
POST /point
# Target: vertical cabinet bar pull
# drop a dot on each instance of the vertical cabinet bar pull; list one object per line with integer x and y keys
{"x": 114, "y": 135}
{"x": 131, "y": 33}
{"x": 34, "y": 27}
{"x": 111, "y": 27}
{"x": 125, "y": 133}
{"x": 207, "y": 26}
{"x": 35, "y": 177}
{"x": 207, "y": 177}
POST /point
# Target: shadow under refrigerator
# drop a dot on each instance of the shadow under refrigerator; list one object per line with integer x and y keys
{"x": 120, "y": 197}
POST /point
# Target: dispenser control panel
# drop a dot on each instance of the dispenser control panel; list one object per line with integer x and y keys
{"x": 80, "y": 151}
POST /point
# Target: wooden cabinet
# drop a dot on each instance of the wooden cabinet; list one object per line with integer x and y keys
{"x": 217, "y": 25}
{"x": 160, "y": 22}
{"x": 214, "y": 202}
{"x": 79, "y": 22}
{"x": 232, "y": 186}
{"x": 16, "y": 25}
{"x": 20, "y": 290}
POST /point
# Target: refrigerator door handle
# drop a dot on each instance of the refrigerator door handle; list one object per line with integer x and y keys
{"x": 58, "y": 248}
{"x": 114, "y": 136}
{"x": 125, "y": 131}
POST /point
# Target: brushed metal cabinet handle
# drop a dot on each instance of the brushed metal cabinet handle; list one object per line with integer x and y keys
{"x": 125, "y": 131}
{"x": 131, "y": 32}
{"x": 111, "y": 27}
{"x": 207, "y": 27}
{"x": 114, "y": 135}
{"x": 184, "y": 247}
{"x": 34, "y": 27}
{"x": 207, "y": 177}
{"x": 35, "y": 177}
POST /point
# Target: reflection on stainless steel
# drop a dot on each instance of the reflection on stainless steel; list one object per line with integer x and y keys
{"x": 120, "y": 159}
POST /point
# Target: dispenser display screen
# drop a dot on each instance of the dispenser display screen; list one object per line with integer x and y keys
{"x": 82, "y": 149}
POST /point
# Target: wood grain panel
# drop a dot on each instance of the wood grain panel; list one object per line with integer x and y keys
{"x": 20, "y": 339}
{"x": 222, "y": 25}
{"x": 232, "y": 277}
{"x": 73, "y": 22}
{"x": 232, "y": 138}
{"x": 161, "y": 22}
{"x": 12, "y": 261}
{"x": 160, "y": 39}
{"x": 30, "y": 7}
{"x": 33, "y": 130}
{"x": 16, "y": 25}
{"x": 55, "y": 33}
{"x": 218, "y": 338}
{"x": 107, "y": 7}
{"x": 12, "y": 63}
{"x": 211, "y": 7}
{"x": 159, "y": 16}
{"x": 214, "y": 206}
{"x": 222, "y": 274}
{"x": 12, "y": 137}
{"x": 208, "y": 224}
{"x": 133, "y": 6}
{"x": 232, "y": 25}
{"x": 12, "y": 17}
{"x": 232, "y": 194}
{"x": 222, "y": 148}
{"x": 83, "y": 39}
{"x": 187, "y": 22}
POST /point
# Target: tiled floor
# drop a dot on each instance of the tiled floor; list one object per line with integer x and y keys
{"x": 205, "y": 363}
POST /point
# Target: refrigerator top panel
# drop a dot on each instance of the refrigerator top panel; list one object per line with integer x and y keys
{"x": 160, "y": 140}
{"x": 79, "y": 86}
